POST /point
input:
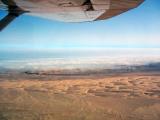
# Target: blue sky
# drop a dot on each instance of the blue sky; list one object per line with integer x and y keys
{"x": 138, "y": 28}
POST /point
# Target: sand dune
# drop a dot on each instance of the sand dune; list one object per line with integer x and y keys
{"x": 127, "y": 97}
{"x": 132, "y": 86}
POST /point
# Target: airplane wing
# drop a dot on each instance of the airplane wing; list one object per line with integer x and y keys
{"x": 66, "y": 10}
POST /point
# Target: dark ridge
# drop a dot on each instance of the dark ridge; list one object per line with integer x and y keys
{"x": 155, "y": 67}
{"x": 148, "y": 69}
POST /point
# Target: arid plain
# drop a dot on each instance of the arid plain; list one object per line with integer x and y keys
{"x": 130, "y": 96}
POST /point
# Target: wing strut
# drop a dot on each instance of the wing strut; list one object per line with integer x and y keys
{"x": 6, "y": 21}
{"x": 13, "y": 12}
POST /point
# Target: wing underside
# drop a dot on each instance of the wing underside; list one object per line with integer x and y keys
{"x": 77, "y": 10}
{"x": 66, "y": 10}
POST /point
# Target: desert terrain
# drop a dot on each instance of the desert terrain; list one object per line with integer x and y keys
{"x": 130, "y": 96}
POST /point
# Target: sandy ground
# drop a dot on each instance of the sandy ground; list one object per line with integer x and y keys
{"x": 127, "y": 97}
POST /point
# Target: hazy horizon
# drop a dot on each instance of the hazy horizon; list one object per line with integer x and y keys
{"x": 91, "y": 59}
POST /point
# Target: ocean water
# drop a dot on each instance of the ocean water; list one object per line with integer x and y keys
{"x": 77, "y": 59}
